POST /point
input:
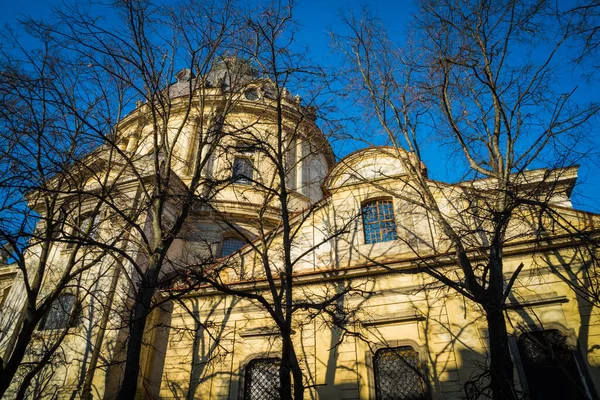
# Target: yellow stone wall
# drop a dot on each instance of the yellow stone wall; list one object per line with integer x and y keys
{"x": 204, "y": 341}
{"x": 448, "y": 332}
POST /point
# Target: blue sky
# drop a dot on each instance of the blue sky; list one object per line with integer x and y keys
{"x": 316, "y": 18}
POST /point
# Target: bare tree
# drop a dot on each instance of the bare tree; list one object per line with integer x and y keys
{"x": 109, "y": 147}
{"x": 463, "y": 78}
{"x": 584, "y": 20}
{"x": 275, "y": 165}
{"x": 39, "y": 139}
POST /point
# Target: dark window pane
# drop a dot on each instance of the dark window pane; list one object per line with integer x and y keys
{"x": 251, "y": 94}
{"x": 262, "y": 380}
{"x": 243, "y": 170}
{"x": 550, "y": 366}
{"x": 231, "y": 245}
{"x": 398, "y": 375}
{"x": 59, "y": 314}
{"x": 379, "y": 222}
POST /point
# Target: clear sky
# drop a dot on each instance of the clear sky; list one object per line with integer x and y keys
{"x": 316, "y": 18}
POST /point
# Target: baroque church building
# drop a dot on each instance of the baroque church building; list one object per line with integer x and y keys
{"x": 367, "y": 319}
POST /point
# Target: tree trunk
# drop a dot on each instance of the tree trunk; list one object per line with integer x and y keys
{"x": 134, "y": 347}
{"x": 298, "y": 383}
{"x": 19, "y": 351}
{"x": 289, "y": 368}
{"x": 285, "y": 378}
{"x": 501, "y": 364}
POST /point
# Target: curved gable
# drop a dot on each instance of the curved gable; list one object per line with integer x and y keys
{"x": 366, "y": 165}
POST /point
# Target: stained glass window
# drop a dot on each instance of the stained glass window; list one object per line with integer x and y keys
{"x": 262, "y": 379}
{"x": 398, "y": 375}
{"x": 379, "y": 222}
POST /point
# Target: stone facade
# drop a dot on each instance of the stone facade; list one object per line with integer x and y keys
{"x": 206, "y": 344}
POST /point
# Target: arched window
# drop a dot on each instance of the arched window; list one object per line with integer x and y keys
{"x": 379, "y": 223}
{"x": 550, "y": 367}
{"x": 231, "y": 245}
{"x": 62, "y": 313}
{"x": 262, "y": 379}
{"x": 398, "y": 375}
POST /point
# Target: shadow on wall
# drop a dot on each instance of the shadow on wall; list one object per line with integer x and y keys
{"x": 447, "y": 377}
{"x": 451, "y": 350}
{"x": 197, "y": 352}
{"x": 454, "y": 363}
{"x": 577, "y": 271}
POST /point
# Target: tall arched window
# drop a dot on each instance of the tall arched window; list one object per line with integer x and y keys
{"x": 262, "y": 379}
{"x": 398, "y": 374}
{"x": 62, "y": 313}
{"x": 379, "y": 223}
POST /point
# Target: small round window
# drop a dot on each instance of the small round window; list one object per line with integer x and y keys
{"x": 251, "y": 94}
